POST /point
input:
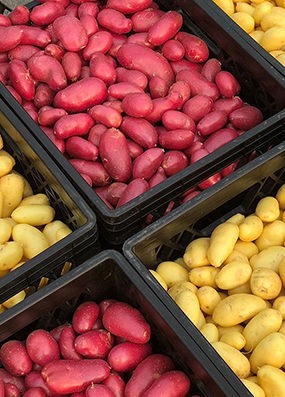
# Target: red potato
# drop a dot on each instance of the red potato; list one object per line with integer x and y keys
{"x": 70, "y": 32}
{"x": 33, "y": 114}
{"x": 141, "y": 39}
{"x": 125, "y": 321}
{"x": 195, "y": 49}
{"x": 101, "y": 68}
{"x": 72, "y": 65}
{"x": 103, "y": 306}
{"x": 126, "y": 356}
{"x": 190, "y": 196}
{"x": 210, "y": 69}
{"x": 137, "y": 105}
{"x": 173, "y": 50}
{"x": 95, "y": 134}
{"x": 81, "y": 95}
{"x": 11, "y": 36}
{"x": 143, "y": 59}
{"x": 158, "y": 87}
{"x": 227, "y": 84}
{"x": 170, "y": 384}
{"x": 75, "y": 124}
{"x": 183, "y": 64}
{"x": 85, "y": 72}
{"x": 72, "y": 376}
{"x": 80, "y": 148}
{"x": 115, "y": 155}
{"x": 99, "y": 42}
{"x": 135, "y": 188}
{"x": 140, "y": 131}
{"x": 160, "y": 105}
{"x": 143, "y": 20}
{"x": 41, "y": 347}
{"x": 49, "y": 30}
{"x": 115, "y": 192}
{"x": 95, "y": 170}
{"x": 88, "y": 8}
{"x": 134, "y": 149}
{"x": 147, "y": 163}
{"x": 46, "y": 13}
{"x": 29, "y": 105}
{"x": 59, "y": 143}
{"x": 219, "y": 139}
{"x": 174, "y": 161}
{"x": 146, "y": 374}
{"x": 210, "y": 181}
{"x": 102, "y": 193}
{"x": 14, "y": 93}
{"x": 72, "y": 10}
{"x": 199, "y": 85}
{"x": 176, "y": 139}
{"x": 90, "y": 24}
{"x": 67, "y": 344}
{"x": 15, "y": 359}
{"x": 14, "y": 380}
{"x": 128, "y": 6}
{"x": 49, "y": 117}
{"x": 35, "y": 392}
{"x": 55, "y": 51}
{"x": 183, "y": 89}
{"x": 212, "y": 122}
{"x": 22, "y": 52}
{"x": 193, "y": 148}
{"x": 44, "y": 95}
{"x": 87, "y": 179}
{"x": 48, "y": 70}
{"x": 2, "y": 388}
{"x": 228, "y": 105}
{"x": 111, "y": 60}
{"x": 4, "y": 21}
{"x": 108, "y": 116}
{"x": 198, "y": 107}
{"x": 115, "y": 21}
{"x": 132, "y": 76}
{"x": 20, "y": 15}
{"x": 21, "y": 79}
{"x": 94, "y": 344}
{"x": 35, "y": 36}
{"x": 166, "y": 28}
{"x": 116, "y": 384}
{"x": 65, "y": 3}
{"x": 98, "y": 391}
{"x": 98, "y": 324}
{"x": 85, "y": 316}
{"x": 118, "y": 41}
{"x": 174, "y": 120}
{"x": 157, "y": 178}
{"x": 120, "y": 90}
{"x": 11, "y": 390}
{"x": 4, "y": 57}
{"x": 198, "y": 155}
{"x": 246, "y": 118}
{"x": 35, "y": 380}
{"x": 56, "y": 332}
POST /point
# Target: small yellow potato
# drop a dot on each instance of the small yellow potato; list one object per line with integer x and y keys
{"x": 261, "y": 10}
{"x": 189, "y": 304}
{"x": 31, "y": 239}
{"x": 172, "y": 273}
{"x": 222, "y": 243}
{"x": 234, "y": 339}
{"x": 244, "y": 7}
{"x": 271, "y": 20}
{"x": 12, "y": 188}
{"x": 279, "y": 304}
{"x": 50, "y": 231}
{"x": 159, "y": 279}
{"x": 204, "y": 276}
{"x": 28, "y": 191}
{"x": 242, "y": 289}
{"x": 270, "y": 351}
{"x": 236, "y": 256}
{"x": 244, "y": 20}
{"x": 225, "y": 330}
{"x": 269, "y": 258}
{"x": 253, "y": 379}
{"x": 237, "y": 308}
{"x": 11, "y": 222}
{"x": 273, "y": 235}
{"x": 234, "y": 358}
{"x": 233, "y": 275}
{"x": 276, "y": 53}
{"x": 265, "y": 283}
{"x": 196, "y": 253}
{"x": 256, "y": 35}
{"x": 255, "y": 390}
{"x": 272, "y": 381}
{"x": 201, "y": 321}
{"x": 260, "y": 326}
{"x": 182, "y": 286}
{"x": 226, "y": 5}
{"x": 64, "y": 232}
{"x": 273, "y": 39}
{"x": 280, "y": 196}
{"x": 14, "y": 300}
{"x": 5, "y": 231}
{"x": 268, "y": 209}
{"x": 222, "y": 295}
{"x": 40, "y": 199}
{"x": 208, "y": 299}
{"x": 281, "y": 9}
{"x": 281, "y": 59}
{"x": 250, "y": 229}
{"x": 33, "y": 214}
{"x": 238, "y": 218}
{"x": 249, "y": 249}
{"x": 210, "y": 332}
{"x": 10, "y": 254}
{"x": 6, "y": 164}
{"x": 282, "y": 270}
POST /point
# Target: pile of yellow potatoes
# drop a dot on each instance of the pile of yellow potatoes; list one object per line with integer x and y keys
{"x": 231, "y": 285}
{"x": 263, "y": 20}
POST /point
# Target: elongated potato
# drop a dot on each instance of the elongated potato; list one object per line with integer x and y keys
{"x": 265, "y": 283}
{"x": 31, "y": 239}
{"x": 237, "y": 219}
{"x": 210, "y": 332}
{"x": 10, "y": 254}
{"x": 273, "y": 235}
{"x": 5, "y": 231}
{"x": 270, "y": 351}
{"x": 40, "y": 198}
{"x": 255, "y": 390}
{"x": 242, "y": 289}
{"x": 234, "y": 358}
{"x": 12, "y": 188}
{"x": 159, "y": 279}
{"x": 250, "y": 229}
{"x": 234, "y": 339}
{"x": 19, "y": 297}
{"x": 280, "y": 196}
{"x": 225, "y": 330}
{"x": 222, "y": 243}
{"x": 33, "y": 214}
{"x": 268, "y": 209}
{"x": 272, "y": 381}
{"x": 172, "y": 273}
{"x": 233, "y": 275}
{"x": 236, "y": 256}
{"x": 249, "y": 249}
{"x": 263, "y": 324}
{"x": 237, "y": 308}
{"x": 182, "y": 286}
{"x": 196, "y": 253}
{"x": 269, "y": 257}
{"x": 204, "y": 276}
{"x": 208, "y": 299}
{"x": 50, "y": 231}
{"x": 189, "y": 304}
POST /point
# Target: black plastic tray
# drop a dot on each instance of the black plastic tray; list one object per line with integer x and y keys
{"x": 45, "y": 177}
{"x": 108, "y": 275}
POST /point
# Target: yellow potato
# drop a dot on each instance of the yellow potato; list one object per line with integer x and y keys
{"x": 64, "y": 232}
{"x": 14, "y": 300}
{"x": 234, "y": 339}
{"x": 189, "y": 304}
{"x": 208, "y": 299}
{"x": 6, "y": 164}
{"x": 201, "y": 321}
{"x": 237, "y": 308}
{"x": 182, "y": 286}
{"x": 255, "y": 390}
{"x": 196, "y": 253}
{"x": 249, "y": 249}
{"x": 28, "y": 191}
{"x": 282, "y": 270}
{"x": 276, "y": 53}
{"x": 281, "y": 9}
{"x": 268, "y": 209}
{"x": 222, "y": 243}
{"x": 1, "y": 203}
{"x": 270, "y": 351}
{"x": 11, "y": 222}
{"x": 10, "y": 254}
{"x": 210, "y": 332}
{"x": 181, "y": 262}
{"x": 172, "y": 273}
{"x": 269, "y": 257}
{"x": 238, "y": 218}
{"x": 256, "y": 35}
{"x": 273, "y": 235}
{"x": 273, "y": 39}
{"x": 233, "y": 275}
{"x": 159, "y": 279}
{"x": 236, "y": 256}
{"x": 5, "y": 231}
{"x": 272, "y": 381}
{"x": 282, "y": 329}
{"x": 50, "y": 231}
{"x": 261, "y": 10}
{"x": 204, "y": 276}
{"x": 250, "y": 229}
{"x": 225, "y": 330}
{"x": 279, "y": 304}
{"x": 253, "y": 379}
{"x": 40, "y": 199}
{"x": 12, "y": 187}
{"x": 33, "y": 214}
{"x": 242, "y": 289}
{"x": 281, "y": 59}
{"x": 265, "y": 283}
{"x": 256, "y": 2}
{"x": 244, "y": 20}
{"x": 226, "y": 5}
{"x": 31, "y": 239}
{"x": 263, "y": 324}
{"x": 280, "y": 196}
{"x": 234, "y": 358}
{"x": 271, "y": 20}
{"x": 244, "y": 7}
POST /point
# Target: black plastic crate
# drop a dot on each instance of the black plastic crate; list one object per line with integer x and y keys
{"x": 265, "y": 91}
{"x": 45, "y": 177}
{"x": 108, "y": 275}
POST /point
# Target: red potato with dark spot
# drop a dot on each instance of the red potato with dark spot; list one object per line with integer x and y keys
{"x": 198, "y": 84}
{"x": 115, "y": 192}
{"x": 46, "y": 13}
{"x": 66, "y": 344}
{"x": 95, "y": 134}
{"x": 20, "y": 15}
{"x": 128, "y": 6}
{"x": 176, "y": 139}
{"x": 174, "y": 161}
{"x": 35, "y": 392}
{"x": 80, "y": 148}
{"x": 85, "y": 317}
{"x": 174, "y": 120}
{"x": 147, "y": 163}
{"x": 118, "y": 41}
{"x": 134, "y": 149}
{"x": 72, "y": 65}
{"x": 140, "y": 131}
{"x": 98, "y": 391}
{"x": 15, "y": 358}
{"x": 72, "y": 376}
{"x": 166, "y": 28}
{"x": 157, "y": 87}
{"x": 70, "y": 32}
{"x": 219, "y": 139}
{"x": 126, "y": 356}
{"x": 56, "y": 332}
{"x": 99, "y": 42}
{"x": 212, "y": 122}
{"x": 88, "y": 8}
{"x": 210, "y": 181}
{"x": 81, "y": 95}
{"x": 198, "y": 107}
{"x": 143, "y": 20}
{"x": 170, "y": 384}
{"x": 227, "y": 84}
{"x": 41, "y": 347}
{"x": 108, "y": 116}
{"x": 59, "y": 143}
{"x": 48, "y": 70}
{"x": 14, "y": 380}
{"x": 75, "y": 124}
{"x": 14, "y": 93}
{"x": 120, "y": 90}
{"x": 95, "y": 170}
{"x": 103, "y": 306}
{"x": 198, "y": 155}
{"x": 210, "y": 69}
{"x": 132, "y": 76}
{"x": 90, "y": 24}
{"x": 101, "y": 68}
{"x": 160, "y": 105}
{"x": 228, "y": 105}
{"x": 116, "y": 384}
{"x": 196, "y": 49}
{"x": 49, "y": 117}
{"x": 183, "y": 89}
{"x": 4, "y": 21}
{"x": 21, "y": 79}
{"x": 22, "y": 52}
{"x": 11, "y": 390}
{"x": 145, "y": 60}
{"x": 72, "y": 10}
{"x": 183, "y": 64}
{"x": 137, "y": 105}
{"x": 94, "y": 344}
{"x": 44, "y": 95}
{"x": 173, "y": 50}
{"x": 146, "y": 374}
{"x": 157, "y": 178}
{"x": 246, "y": 118}
{"x": 125, "y": 321}
{"x": 141, "y": 39}
{"x": 11, "y": 36}
{"x": 115, "y": 21}
{"x": 35, "y": 36}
